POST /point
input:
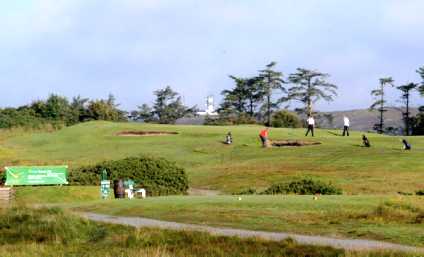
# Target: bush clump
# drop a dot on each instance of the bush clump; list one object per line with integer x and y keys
{"x": 285, "y": 119}
{"x": 157, "y": 175}
{"x": 420, "y": 192}
{"x": 303, "y": 187}
{"x": 248, "y": 191}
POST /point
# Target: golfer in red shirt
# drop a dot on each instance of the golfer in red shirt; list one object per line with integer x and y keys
{"x": 264, "y": 136}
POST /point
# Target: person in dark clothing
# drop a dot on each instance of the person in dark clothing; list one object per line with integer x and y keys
{"x": 229, "y": 139}
{"x": 365, "y": 141}
{"x": 406, "y": 145}
{"x": 311, "y": 125}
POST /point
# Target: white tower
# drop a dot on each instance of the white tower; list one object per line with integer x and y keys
{"x": 210, "y": 108}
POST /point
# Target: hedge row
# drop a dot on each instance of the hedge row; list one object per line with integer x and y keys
{"x": 157, "y": 175}
{"x": 303, "y": 187}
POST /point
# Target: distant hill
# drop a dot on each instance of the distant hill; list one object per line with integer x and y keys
{"x": 360, "y": 119}
{"x": 364, "y": 120}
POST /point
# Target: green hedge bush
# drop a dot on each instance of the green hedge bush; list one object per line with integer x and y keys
{"x": 303, "y": 187}
{"x": 157, "y": 175}
{"x": 420, "y": 192}
{"x": 285, "y": 119}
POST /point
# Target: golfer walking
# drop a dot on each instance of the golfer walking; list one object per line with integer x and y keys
{"x": 311, "y": 125}
{"x": 346, "y": 126}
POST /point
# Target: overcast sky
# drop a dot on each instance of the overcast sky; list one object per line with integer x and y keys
{"x": 131, "y": 47}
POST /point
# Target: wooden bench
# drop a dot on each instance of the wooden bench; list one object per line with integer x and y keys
{"x": 7, "y": 194}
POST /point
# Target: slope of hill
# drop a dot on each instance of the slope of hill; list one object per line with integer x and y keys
{"x": 364, "y": 119}
{"x": 383, "y": 168}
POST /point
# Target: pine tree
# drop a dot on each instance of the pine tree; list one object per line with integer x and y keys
{"x": 380, "y": 101}
{"x": 168, "y": 106}
{"x": 406, "y": 93}
{"x": 309, "y": 86}
{"x": 271, "y": 80}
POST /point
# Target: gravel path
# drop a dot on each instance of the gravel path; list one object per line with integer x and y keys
{"x": 348, "y": 244}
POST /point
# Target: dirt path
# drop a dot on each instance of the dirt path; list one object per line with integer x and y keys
{"x": 348, "y": 244}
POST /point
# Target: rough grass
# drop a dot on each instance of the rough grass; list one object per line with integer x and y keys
{"x": 382, "y": 169}
{"x": 398, "y": 220}
{"x": 53, "y": 232}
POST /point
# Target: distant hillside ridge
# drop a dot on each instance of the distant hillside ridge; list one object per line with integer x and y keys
{"x": 364, "y": 119}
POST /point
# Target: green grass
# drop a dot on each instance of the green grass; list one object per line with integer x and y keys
{"x": 56, "y": 194}
{"x": 53, "y": 232}
{"x": 398, "y": 219}
{"x": 373, "y": 175}
{"x": 393, "y": 219}
{"x": 382, "y": 169}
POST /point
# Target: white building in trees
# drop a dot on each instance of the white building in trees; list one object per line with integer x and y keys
{"x": 210, "y": 107}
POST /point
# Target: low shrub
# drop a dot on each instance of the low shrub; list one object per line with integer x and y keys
{"x": 157, "y": 175}
{"x": 248, "y": 191}
{"x": 228, "y": 120}
{"x": 285, "y": 119}
{"x": 303, "y": 187}
{"x": 420, "y": 192}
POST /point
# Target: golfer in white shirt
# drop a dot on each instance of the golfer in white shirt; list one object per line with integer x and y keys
{"x": 346, "y": 126}
{"x": 311, "y": 125}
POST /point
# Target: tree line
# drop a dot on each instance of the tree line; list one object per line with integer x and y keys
{"x": 262, "y": 98}
{"x": 257, "y": 98}
{"x": 413, "y": 125}
{"x": 60, "y": 111}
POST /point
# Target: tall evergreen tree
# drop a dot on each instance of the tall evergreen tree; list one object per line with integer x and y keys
{"x": 168, "y": 106}
{"x": 235, "y": 99}
{"x": 380, "y": 101}
{"x": 271, "y": 80}
{"x": 244, "y": 97}
{"x": 310, "y": 86}
{"x": 406, "y": 93}
{"x": 420, "y": 71}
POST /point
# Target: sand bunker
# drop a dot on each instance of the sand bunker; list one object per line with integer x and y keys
{"x": 281, "y": 143}
{"x": 145, "y": 133}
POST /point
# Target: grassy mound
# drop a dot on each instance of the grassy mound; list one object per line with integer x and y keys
{"x": 382, "y": 169}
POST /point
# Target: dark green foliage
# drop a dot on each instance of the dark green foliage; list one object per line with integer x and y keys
{"x": 420, "y": 192}
{"x": 243, "y": 98}
{"x": 285, "y": 119}
{"x": 271, "y": 80}
{"x": 105, "y": 110}
{"x": 145, "y": 113}
{"x": 417, "y": 122}
{"x": 157, "y": 175}
{"x": 23, "y": 117}
{"x": 309, "y": 86}
{"x": 251, "y": 98}
{"x": 230, "y": 119}
{"x": 406, "y": 93}
{"x": 380, "y": 102}
{"x": 248, "y": 191}
{"x": 303, "y": 187}
{"x": 168, "y": 106}
{"x": 58, "y": 111}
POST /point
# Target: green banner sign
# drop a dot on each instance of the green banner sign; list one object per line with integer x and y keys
{"x": 36, "y": 175}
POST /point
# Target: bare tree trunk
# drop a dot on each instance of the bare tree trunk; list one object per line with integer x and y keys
{"x": 309, "y": 103}
{"x": 381, "y": 126}
{"x": 269, "y": 110}
{"x": 407, "y": 114}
